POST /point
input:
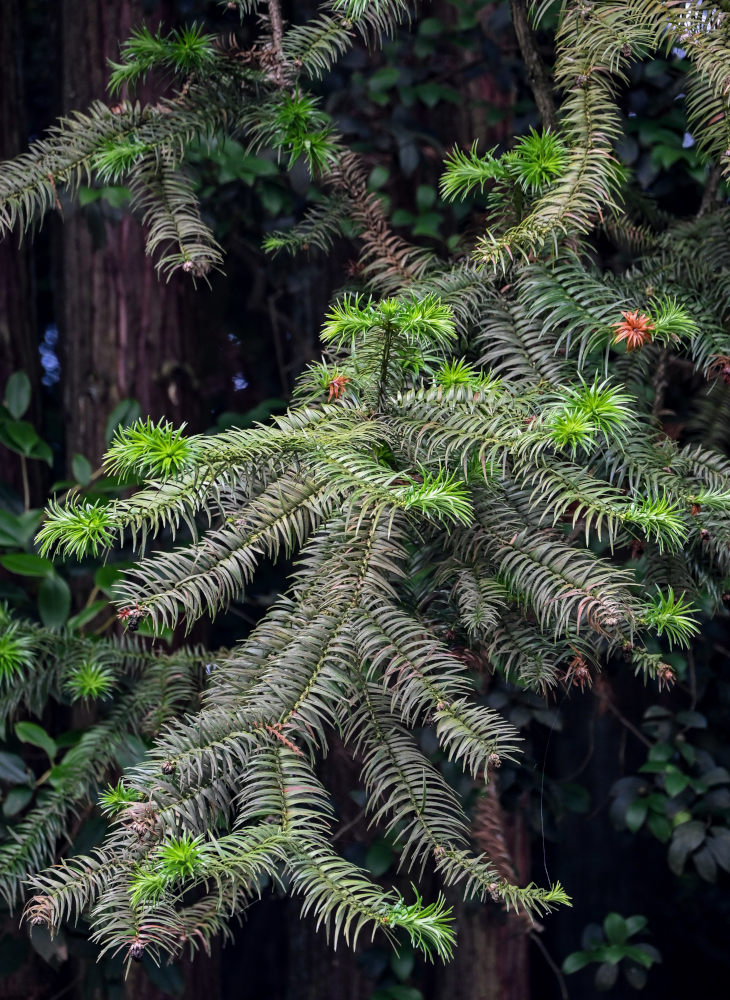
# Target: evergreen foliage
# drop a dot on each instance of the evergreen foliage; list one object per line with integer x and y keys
{"x": 477, "y": 455}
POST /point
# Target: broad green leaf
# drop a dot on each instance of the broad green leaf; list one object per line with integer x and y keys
{"x": 654, "y": 767}
{"x": 17, "y": 394}
{"x": 401, "y": 992}
{"x": 20, "y": 436}
{"x": 577, "y": 960}
{"x": 432, "y": 94}
{"x": 636, "y": 814}
{"x": 431, "y": 27}
{"x": 12, "y": 768}
{"x": 677, "y": 857}
{"x": 379, "y": 858}
{"x": 428, "y": 224}
{"x": 397, "y": 992}
{"x": 692, "y": 720}
{"x": 42, "y": 452}
{"x": 425, "y": 196}
{"x": 378, "y": 177}
{"x": 11, "y": 532}
{"x": 82, "y": 470}
{"x": 635, "y": 924}
{"x": 689, "y": 835}
{"x": 54, "y": 601}
{"x": 705, "y": 864}
{"x": 615, "y": 928}
{"x": 31, "y": 732}
{"x": 675, "y": 782}
{"x": 383, "y": 79}
{"x": 613, "y": 953}
{"x": 123, "y": 414}
{"x": 716, "y": 776}
{"x": 402, "y": 961}
{"x": 661, "y": 751}
{"x": 718, "y": 844}
{"x": 106, "y": 576}
{"x": 26, "y": 564}
{"x": 660, "y": 827}
{"x": 16, "y": 800}
{"x": 639, "y": 956}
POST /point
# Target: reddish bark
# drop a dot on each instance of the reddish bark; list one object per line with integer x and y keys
{"x": 123, "y": 333}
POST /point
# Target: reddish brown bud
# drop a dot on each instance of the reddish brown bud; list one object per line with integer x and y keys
{"x": 665, "y": 676}
{"x": 635, "y": 329}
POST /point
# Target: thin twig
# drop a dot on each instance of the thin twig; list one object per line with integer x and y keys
{"x": 622, "y": 719}
{"x": 550, "y": 961}
{"x": 348, "y": 826}
{"x": 660, "y": 382}
{"x": 26, "y": 483}
{"x": 709, "y": 195}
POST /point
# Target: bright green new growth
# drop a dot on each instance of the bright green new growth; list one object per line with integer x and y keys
{"x": 90, "y": 680}
{"x": 429, "y": 927}
{"x": 156, "y": 451}
{"x": 187, "y": 50}
{"x": 112, "y": 799}
{"x": 457, "y": 373}
{"x": 672, "y": 616}
{"x": 16, "y": 651}
{"x": 299, "y": 129}
{"x": 536, "y": 161}
{"x": 672, "y": 322}
{"x": 117, "y": 157}
{"x": 440, "y": 496}
{"x": 78, "y": 528}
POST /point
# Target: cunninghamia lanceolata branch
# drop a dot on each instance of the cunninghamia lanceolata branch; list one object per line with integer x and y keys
{"x": 475, "y": 472}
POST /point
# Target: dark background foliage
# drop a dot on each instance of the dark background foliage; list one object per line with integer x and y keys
{"x": 84, "y": 316}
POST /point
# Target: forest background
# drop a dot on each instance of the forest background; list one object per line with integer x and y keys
{"x": 102, "y": 340}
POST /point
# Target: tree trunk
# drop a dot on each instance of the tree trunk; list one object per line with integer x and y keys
{"x": 123, "y": 333}
{"x": 18, "y": 347}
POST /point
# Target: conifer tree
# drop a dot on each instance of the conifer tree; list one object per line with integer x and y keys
{"x": 477, "y": 456}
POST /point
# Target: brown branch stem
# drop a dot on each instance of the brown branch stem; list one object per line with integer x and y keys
{"x": 709, "y": 195}
{"x": 553, "y": 965}
{"x": 277, "y": 28}
{"x": 537, "y": 72}
{"x": 26, "y": 482}
{"x": 605, "y": 700}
